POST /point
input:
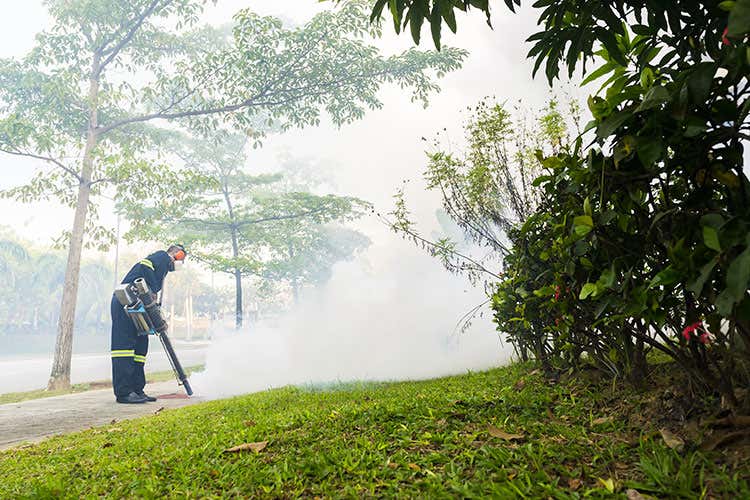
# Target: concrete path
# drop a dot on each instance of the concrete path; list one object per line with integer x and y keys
{"x": 32, "y": 421}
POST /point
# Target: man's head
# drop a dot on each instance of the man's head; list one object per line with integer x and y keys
{"x": 177, "y": 254}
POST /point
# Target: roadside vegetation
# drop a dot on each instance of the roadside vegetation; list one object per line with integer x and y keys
{"x": 508, "y": 432}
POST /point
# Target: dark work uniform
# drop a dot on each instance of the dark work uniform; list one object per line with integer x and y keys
{"x": 128, "y": 348}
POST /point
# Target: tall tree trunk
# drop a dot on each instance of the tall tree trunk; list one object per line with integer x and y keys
{"x": 60, "y": 375}
{"x": 238, "y": 296}
{"x": 295, "y": 283}
{"x": 235, "y": 254}
{"x": 295, "y": 290}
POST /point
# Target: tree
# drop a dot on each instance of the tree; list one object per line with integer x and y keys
{"x": 488, "y": 187}
{"x": 240, "y": 220}
{"x": 66, "y": 105}
{"x": 304, "y": 253}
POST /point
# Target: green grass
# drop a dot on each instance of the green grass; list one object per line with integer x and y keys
{"x": 426, "y": 439}
{"x": 17, "y": 397}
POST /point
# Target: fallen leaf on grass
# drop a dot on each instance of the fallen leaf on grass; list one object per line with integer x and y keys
{"x": 536, "y": 371}
{"x": 608, "y": 483}
{"x": 574, "y": 484}
{"x": 250, "y": 423}
{"x": 635, "y": 495}
{"x": 256, "y": 447}
{"x": 414, "y": 467}
{"x": 114, "y": 429}
{"x": 602, "y": 420}
{"x": 672, "y": 440}
{"x": 519, "y": 385}
{"x": 392, "y": 465}
{"x": 495, "y": 432}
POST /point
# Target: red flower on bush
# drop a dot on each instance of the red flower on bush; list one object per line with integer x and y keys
{"x": 724, "y": 38}
{"x": 557, "y": 293}
{"x": 698, "y": 331}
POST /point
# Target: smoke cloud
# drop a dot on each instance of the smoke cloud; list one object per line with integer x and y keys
{"x": 390, "y": 314}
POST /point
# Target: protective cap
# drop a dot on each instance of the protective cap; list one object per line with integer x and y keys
{"x": 180, "y": 253}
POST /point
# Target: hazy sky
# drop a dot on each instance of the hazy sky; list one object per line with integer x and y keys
{"x": 369, "y": 158}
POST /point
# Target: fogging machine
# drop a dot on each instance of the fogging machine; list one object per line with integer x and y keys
{"x": 143, "y": 309}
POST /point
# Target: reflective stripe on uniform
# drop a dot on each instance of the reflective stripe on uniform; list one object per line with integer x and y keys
{"x": 148, "y": 264}
{"x": 139, "y": 359}
{"x": 123, "y": 353}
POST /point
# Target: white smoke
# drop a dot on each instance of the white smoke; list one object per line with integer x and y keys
{"x": 388, "y": 315}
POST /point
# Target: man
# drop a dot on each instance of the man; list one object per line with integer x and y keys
{"x": 129, "y": 349}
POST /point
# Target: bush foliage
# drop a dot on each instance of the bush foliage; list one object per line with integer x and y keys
{"x": 641, "y": 238}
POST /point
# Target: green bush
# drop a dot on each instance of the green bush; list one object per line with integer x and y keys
{"x": 643, "y": 239}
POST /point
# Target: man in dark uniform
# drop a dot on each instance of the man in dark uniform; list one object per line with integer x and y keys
{"x": 128, "y": 348}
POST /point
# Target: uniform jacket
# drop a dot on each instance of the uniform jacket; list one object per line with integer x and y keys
{"x": 153, "y": 269}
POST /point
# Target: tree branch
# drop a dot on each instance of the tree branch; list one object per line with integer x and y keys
{"x": 135, "y": 25}
{"x": 280, "y": 217}
{"x": 432, "y": 244}
{"x": 57, "y": 163}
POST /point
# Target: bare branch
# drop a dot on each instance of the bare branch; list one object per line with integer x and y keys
{"x": 57, "y": 163}
{"x": 104, "y": 179}
{"x": 432, "y": 244}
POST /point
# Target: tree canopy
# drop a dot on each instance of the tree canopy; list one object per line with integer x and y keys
{"x": 236, "y": 222}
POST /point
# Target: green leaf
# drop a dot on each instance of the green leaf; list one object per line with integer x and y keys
{"x": 587, "y": 290}
{"x": 724, "y": 303}
{"x": 697, "y": 286}
{"x": 665, "y": 277}
{"x": 599, "y": 72}
{"x": 739, "y": 19}
{"x": 713, "y": 220}
{"x": 582, "y": 230}
{"x": 647, "y": 77}
{"x": 612, "y": 123}
{"x": 583, "y": 220}
{"x": 700, "y": 80}
{"x": 541, "y": 180}
{"x": 607, "y": 279}
{"x": 657, "y": 96}
{"x": 711, "y": 238}
{"x": 587, "y": 207}
{"x": 415, "y": 24}
{"x": 650, "y": 150}
{"x": 738, "y": 276}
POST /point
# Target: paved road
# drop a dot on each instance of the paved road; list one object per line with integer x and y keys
{"x": 17, "y": 374}
{"x": 32, "y": 421}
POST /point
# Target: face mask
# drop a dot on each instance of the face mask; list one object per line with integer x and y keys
{"x": 177, "y": 265}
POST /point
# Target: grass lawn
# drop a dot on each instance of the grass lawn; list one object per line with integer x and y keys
{"x": 17, "y": 397}
{"x": 504, "y": 433}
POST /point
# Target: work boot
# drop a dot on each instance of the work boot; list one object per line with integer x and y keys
{"x": 150, "y": 399}
{"x": 132, "y": 398}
